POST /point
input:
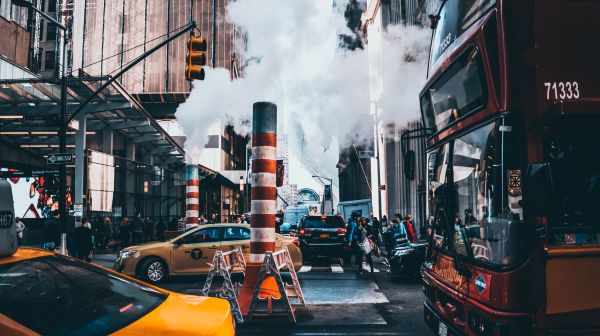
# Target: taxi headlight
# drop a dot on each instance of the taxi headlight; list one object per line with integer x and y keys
{"x": 126, "y": 254}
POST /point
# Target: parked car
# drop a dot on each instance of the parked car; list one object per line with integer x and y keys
{"x": 189, "y": 253}
{"x": 44, "y": 293}
{"x": 406, "y": 259}
{"x": 322, "y": 236}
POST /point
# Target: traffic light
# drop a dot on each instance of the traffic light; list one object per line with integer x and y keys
{"x": 196, "y": 58}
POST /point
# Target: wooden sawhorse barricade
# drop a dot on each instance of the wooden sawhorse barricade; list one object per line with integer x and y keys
{"x": 223, "y": 264}
{"x": 266, "y": 302}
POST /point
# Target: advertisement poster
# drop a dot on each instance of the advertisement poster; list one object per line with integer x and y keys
{"x": 35, "y": 193}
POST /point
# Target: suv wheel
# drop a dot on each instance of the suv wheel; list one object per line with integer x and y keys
{"x": 154, "y": 270}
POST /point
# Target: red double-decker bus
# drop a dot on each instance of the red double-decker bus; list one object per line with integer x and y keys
{"x": 513, "y": 104}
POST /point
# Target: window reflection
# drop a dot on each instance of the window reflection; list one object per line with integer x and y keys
{"x": 486, "y": 194}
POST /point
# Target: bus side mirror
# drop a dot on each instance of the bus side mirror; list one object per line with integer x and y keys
{"x": 409, "y": 164}
{"x": 538, "y": 189}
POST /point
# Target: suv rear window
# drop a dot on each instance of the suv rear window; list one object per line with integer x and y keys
{"x": 313, "y": 222}
{"x": 59, "y": 296}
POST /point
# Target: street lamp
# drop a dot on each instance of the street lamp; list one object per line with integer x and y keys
{"x": 330, "y": 190}
{"x": 62, "y": 133}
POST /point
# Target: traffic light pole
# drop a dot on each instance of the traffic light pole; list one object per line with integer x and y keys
{"x": 189, "y": 27}
{"x": 62, "y": 138}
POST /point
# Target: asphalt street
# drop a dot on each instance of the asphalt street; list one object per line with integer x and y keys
{"x": 339, "y": 301}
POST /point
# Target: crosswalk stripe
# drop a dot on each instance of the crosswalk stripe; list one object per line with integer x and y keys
{"x": 366, "y": 266}
{"x": 337, "y": 268}
{"x": 305, "y": 268}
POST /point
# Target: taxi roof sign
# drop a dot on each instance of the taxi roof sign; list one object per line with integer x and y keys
{"x": 8, "y": 233}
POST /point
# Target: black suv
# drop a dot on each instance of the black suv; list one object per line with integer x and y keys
{"x": 322, "y": 235}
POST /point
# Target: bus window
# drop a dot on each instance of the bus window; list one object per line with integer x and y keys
{"x": 437, "y": 165}
{"x": 458, "y": 92}
{"x": 455, "y": 19}
{"x": 489, "y": 219}
{"x": 486, "y": 172}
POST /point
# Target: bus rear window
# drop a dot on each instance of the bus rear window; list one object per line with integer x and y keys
{"x": 458, "y": 92}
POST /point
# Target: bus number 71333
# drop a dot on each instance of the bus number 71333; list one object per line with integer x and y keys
{"x": 561, "y": 90}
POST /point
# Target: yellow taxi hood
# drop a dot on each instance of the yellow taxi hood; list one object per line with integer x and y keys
{"x": 184, "y": 315}
{"x": 144, "y": 246}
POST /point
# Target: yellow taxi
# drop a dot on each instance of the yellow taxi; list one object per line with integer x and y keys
{"x": 189, "y": 253}
{"x": 44, "y": 293}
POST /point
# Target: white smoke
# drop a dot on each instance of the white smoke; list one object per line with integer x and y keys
{"x": 294, "y": 59}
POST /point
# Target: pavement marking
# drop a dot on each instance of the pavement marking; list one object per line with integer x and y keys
{"x": 345, "y": 291}
{"x": 337, "y": 268}
{"x": 366, "y": 267}
{"x": 305, "y": 268}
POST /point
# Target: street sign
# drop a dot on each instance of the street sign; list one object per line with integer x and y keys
{"x": 78, "y": 210}
{"x": 60, "y": 158}
{"x": 40, "y": 120}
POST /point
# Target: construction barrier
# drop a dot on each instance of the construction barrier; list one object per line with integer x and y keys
{"x": 223, "y": 264}
{"x": 266, "y": 301}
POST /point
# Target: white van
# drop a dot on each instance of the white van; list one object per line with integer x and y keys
{"x": 292, "y": 216}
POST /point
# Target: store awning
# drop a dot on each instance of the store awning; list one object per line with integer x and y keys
{"x": 24, "y": 94}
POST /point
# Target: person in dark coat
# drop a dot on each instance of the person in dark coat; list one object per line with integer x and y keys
{"x": 125, "y": 230}
{"x": 83, "y": 241}
{"x": 363, "y": 233}
{"x": 148, "y": 230}
{"x": 51, "y": 232}
{"x": 160, "y": 230}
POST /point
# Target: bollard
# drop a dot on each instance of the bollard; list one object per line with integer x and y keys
{"x": 263, "y": 195}
{"x": 63, "y": 244}
{"x": 192, "y": 196}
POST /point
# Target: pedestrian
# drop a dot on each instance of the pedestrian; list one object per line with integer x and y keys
{"x": 243, "y": 219}
{"x": 148, "y": 230}
{"x": 384, "y": 221}
{"x": 173, "y": 224}
{"x": 108, "y": 233}
{"x": 98, "y": 232}
{"x": 20, "y": 227}
{"x": 213, "y": 219}
{"x": 51, "y": 231}
{"x": 410, "y": 231}
{"x": 377, "y": 231}
{"x": 238, "y": 220}
{"x": 160, "y": 230}
{"x": 125, "y": 230}
{"x": 202, "y": 220}
{"x": 137, "y": 228}
{"x": 469, "y": 218}
{"x": 83, "y": 241}
{"x": 365, "y": 246}
{"x": 352, "y": 239}
{"x": 398, "y": 233}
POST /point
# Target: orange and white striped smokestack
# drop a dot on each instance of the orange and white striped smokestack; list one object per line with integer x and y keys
{"x": 192, "y": 196}
{"x": 263, "y": 194}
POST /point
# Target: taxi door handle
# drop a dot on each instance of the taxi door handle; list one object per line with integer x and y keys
{"x": 214, "y": 247}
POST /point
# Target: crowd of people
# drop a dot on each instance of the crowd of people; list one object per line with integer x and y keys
{"x": 367, "y": 236}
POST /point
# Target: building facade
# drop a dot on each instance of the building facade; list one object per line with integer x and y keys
{"x": 14, "y": 40}
{"x": 398, "y": 192}
{"x": 114, "y": 32}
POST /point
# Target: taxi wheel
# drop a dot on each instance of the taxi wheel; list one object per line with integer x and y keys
{"x": 154, "y": 270}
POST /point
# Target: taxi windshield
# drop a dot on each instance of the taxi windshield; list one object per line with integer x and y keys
{"x": 59, "y": 296}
